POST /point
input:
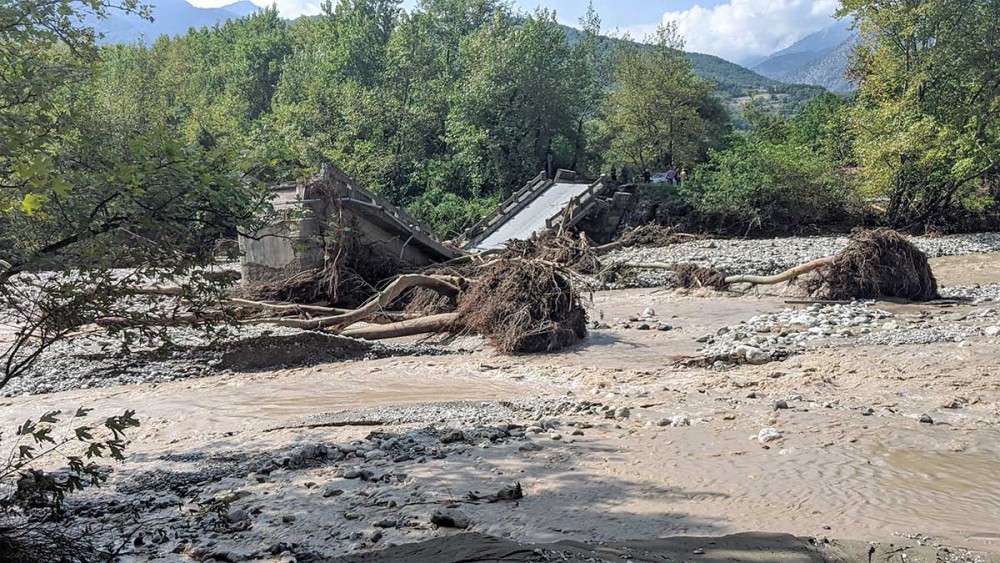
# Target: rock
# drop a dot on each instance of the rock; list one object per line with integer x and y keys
{"x": 452, "y": 437}
{"x": 236, "y": 515}
{"x": 556, "y": 436}
{"x": 577, "y": 432}
{"x": 643, "y": 326}
{"x": 622, "y": 413}
{"x": 953, "y": 404}
{"x": 529, "y": 447}
{"x": 332, "y": 492}
{"x": 664, "y": 327}
{"x": 649, "y": 312}
{"x": 926, "y": 419}
{"x": 780, "y": 405}
{"x": 992, "y": 331}
{"x": 375, "y": 454}
{"x": 510, "y": 492}
{"x": 534, "y": 429}
{"x": 385, "y": 523}
{"x": 768, "y": 435}
{"x": 680, "y": 420}
{"x": 756, "y": 356}
{"x": 450, "y": 518}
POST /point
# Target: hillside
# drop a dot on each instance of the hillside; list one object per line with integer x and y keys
{"x": 170, "y": 17}
{"x": 733, "y": 81}
{"x": 819, "y": 59}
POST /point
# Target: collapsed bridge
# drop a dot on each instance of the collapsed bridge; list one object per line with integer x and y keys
{"x": 314, "y": 218}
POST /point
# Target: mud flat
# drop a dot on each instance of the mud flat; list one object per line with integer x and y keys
{"x": 868, "y": 423}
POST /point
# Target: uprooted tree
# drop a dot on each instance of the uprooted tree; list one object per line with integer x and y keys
{"x": 875, "y": 264}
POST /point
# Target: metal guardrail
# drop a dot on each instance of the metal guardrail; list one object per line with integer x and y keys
{"x": 578, "y": 207}
{"x": 528, "y": 192}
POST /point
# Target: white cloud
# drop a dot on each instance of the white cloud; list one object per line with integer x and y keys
{"x": 740, "y": 29}
{"x": 287, "y": 8}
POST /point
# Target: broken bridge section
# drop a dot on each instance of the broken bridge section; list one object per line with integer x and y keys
{"x": 311, "y": 216}
{"x": 559, "y": 203}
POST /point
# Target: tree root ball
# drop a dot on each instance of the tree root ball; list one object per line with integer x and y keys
{"x": 875, "y": 264}
{"x": 572, "y": 252}
{"x": 692, "y": 276}
{"x": 522, "y": 307}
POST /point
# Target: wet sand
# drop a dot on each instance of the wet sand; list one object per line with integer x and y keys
{"x": 854, "y": 461}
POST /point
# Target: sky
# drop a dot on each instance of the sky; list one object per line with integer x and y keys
{"x": 736, "y": 30}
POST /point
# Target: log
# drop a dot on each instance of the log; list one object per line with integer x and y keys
{"x": 649, "y": 265}
{"x": 176, "y": 320}
{"x": 288, "y": 307}
{"x": 448, "y": 285}
{"x": 787, "y": 275}
{"x": 168, "y": 290}
{"x": 422, "y": 325}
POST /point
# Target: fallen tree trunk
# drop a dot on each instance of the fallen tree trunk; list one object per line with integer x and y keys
{"x": 288, "y": 307}
{"x": 787, "y": 275}
{"x": 448, "y": 285}
{"x": 412, "y": 327}
{"x": 185, "y": 319}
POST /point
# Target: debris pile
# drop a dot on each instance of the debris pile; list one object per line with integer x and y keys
{"x": 576, "y": 254}
{"x": 876, "y": 264}
{"x": 523, "y": 306}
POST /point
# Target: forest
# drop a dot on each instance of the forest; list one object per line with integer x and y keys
{"x": 447, "y": 108}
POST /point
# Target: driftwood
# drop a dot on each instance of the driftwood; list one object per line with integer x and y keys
{"x": 292, "y": 308}
{"x": 412, "y": 327}
{"x": 787, "y": 275}
{"x": 448, "y": 285}
{"x": 185, "y": 319}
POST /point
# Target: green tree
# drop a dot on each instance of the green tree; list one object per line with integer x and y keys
{"x": 653, "y": 111}
{"x": 516, "y": 104}
{"x": 927, "y": 121}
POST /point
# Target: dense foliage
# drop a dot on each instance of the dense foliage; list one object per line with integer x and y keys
{"x": 444, "y": 109}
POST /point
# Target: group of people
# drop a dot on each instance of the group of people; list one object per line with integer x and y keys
{"x": 672, "y": 175}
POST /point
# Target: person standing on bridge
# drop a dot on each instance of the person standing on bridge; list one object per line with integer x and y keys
{"x": 614, "y": 175}
{"x": 683, "y": 175}
{"x": 671, "y": 176}
{"x": 646, "y": 176}
{"x": 550, "y": 166}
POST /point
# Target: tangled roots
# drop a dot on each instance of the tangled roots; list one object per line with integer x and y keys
{"x": 562, "y": 249}
{"x": 876, "y": 264}
{"x": 521, "y": 306}
{"x": 693, "y": 276}
{"x": 654, "y": 236}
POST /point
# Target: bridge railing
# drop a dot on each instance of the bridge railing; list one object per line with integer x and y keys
{"x": 526, "y": 193}
{"x": 578, "y": 207}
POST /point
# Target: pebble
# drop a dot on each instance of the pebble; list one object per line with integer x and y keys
{"x": 768, "y": 435}
{"x": 622, "y": 413}
{"x": 926, "y": 419}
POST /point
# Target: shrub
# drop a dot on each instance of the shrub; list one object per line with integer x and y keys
{"x": 764, "y": 187}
